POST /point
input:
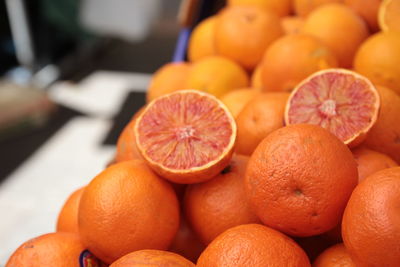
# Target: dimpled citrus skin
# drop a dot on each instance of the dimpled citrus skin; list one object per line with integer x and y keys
{"x": 371, "y": 221}
{"x": 253, "y": 245}
{"x": 126, "y": 208}
{"x": 152, "y": 258}
{"x": 334, "y": 256}
{"x": 299, "y": 179}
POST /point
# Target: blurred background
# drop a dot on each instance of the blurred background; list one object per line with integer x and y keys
{"x": 73, "y": 72}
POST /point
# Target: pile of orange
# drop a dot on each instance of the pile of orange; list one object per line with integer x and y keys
{"x": 276, "y": 144}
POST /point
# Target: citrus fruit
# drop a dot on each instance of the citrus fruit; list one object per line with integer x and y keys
{"x": 261, "y": 116}
{"x": 291, "y": 59}
{"x": 368, "y": 10}
{"x": 334, "y": 256}
{"x": 370, "y": 161}
{"x": 201, "y": 42}
{"x": 279, "y": 7}
{"x": 304, "y": 7}
{"x": 313, "y": 245}
{"x": 252, "y": 245}
{"x": 378, "y": 59}
{"x": 186, "y": 136}
{"x": 152, "y": 258}
{"x": 126, "y": 208}
{"x": 236, "y": 100}
{"x": 216, "y": 75}
{"x": 341, "y": 101}
{"x": 209, "y": 205}
{"x": 389, "y": 19}
{"x": 67, "y": 220}
{"x": 299, "y": 179}
{"x": 242, "y": 33}
{"x": 55, "y": 249}
{"x": 255, "y": 81}
{"x": 169, "y": 78}
{"x": 292, "y": 24}
{"x": 385, "y": 134}
{"x": 371, "y": 220}
{"x": 343, "y": 36}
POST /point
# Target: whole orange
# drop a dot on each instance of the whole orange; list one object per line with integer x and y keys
{"x": 368, "y": 10}
{"x": 279, "y": 7}
{"x": 152, "y": 258}
{"x": 256, "y": 81}
{"x": 299, "y": 179}
{"x": 253, "y": 245}
{"x": 216, "y": 75}
{"x": 67, "y": 220}
{"x": 334, "y": 256}
{"x": 169, "y": 78}
{"x": 378, "y": 59}
{"x": 201, "y": 42}
{"x": 236, "y": 100}
{"x": 304, "y": 7}
{"x": 209, "y": 206}
{"x": 291, "y": 59}
{"x": 261, "y": 116}
{"x": 371, "y": 220}
{"x": 126, "y": 208}
{"x": 242, "y": 33}
{"x": 292, "y": 24}
{"x": 343, "y": 36}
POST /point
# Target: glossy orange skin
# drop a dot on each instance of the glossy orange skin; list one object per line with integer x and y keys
{"x": 343, "y": 36}
{"x": 209, "y": 205}
{"x": 304, "y": 7}
{"x": 278, "y": 7}
{"x": 370, "y": 161}
{"x": 371, "y": 221}
{"x": 261, "y": 116}
{"x": 291, "y": 59}
{"x": 201, "y": 42}
{"x": 299, "y": 179}
{"x": 167, "y": 79}
{"x": 236, "y": 100}
{"x": 54, "y": 249}
{"x": 242, "y": 33}
{"x": 384, "y": 136}
{"x": 334, "y": 256}
{"x": 253, "y": 245}
{"x": 67, "y": 220}
{"x": 368, "y": 10}
{"x": 126, "y": 208}
{"x": 378, "y": 59}
{"x": 152, "y": 258}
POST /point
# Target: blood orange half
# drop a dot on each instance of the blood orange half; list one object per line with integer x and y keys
{"x": 339, "y": 100}
{"x": 186, "y": 136}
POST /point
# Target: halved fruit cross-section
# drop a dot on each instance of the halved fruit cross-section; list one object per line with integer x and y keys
{"x": 187, "y": 136}
{"x": 339, "y": 100}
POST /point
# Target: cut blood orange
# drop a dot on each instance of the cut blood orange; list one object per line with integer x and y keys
{"x": 186, "y": 136}
{"x": 339, "y": 100}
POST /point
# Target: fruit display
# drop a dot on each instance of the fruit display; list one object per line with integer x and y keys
{"x": 277, "y": 143}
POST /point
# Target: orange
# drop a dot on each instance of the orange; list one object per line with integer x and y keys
{"x": 54, "y": 249}
{"x": 169, "y": 78}
{"x": 67, "y": 220}
{"x": 368, "y": 10}
{"x": 343, "y": 36}
{"x": 334, "y": 256}
{"x": 152, "y": 258}
{"x": 236, "y": 100}
{"x": 201, "y": 42}
{"x": 219, "y": 204}
{"x": 299, "y": 179}
{"x": 339, "y": 100}
{"x": 370, "y": 161}
{"x": 253, "y": 245}
{"x": 256, "y": 81}
{"x": 242, "y": 33}
{"x": 259, "y": 117}
{"x": 291, "y": 59}
{"x": 388, "y": 18}
{"x": 127, "y": 208}
{"x": 216, "y": 75}
{"x": 304, "y": 7}
{"x": 279, "y": 7}
{"x": 186, "y": 136}
{"x": 371, "y": 220}
{"x": 292, "y": 24}
{"x": 313, "y": 245}
{"x": 379, "y": 58}
{"x": 384, "y": 136}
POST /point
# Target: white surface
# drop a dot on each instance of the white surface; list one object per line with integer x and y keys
{"x": 32, "y": 196}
